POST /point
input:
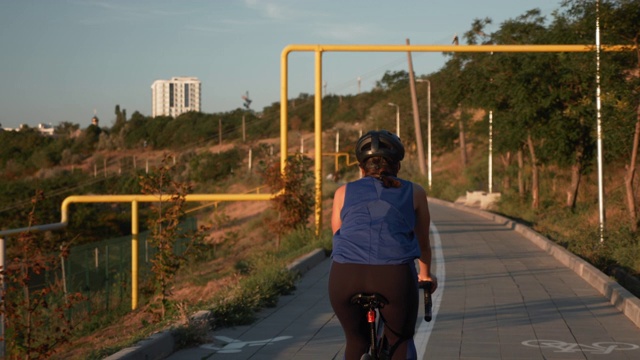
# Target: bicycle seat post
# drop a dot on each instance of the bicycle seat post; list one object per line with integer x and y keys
{"x": 371, "y": 303}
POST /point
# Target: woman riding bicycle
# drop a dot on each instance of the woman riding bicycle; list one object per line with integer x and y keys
{"x": 380, "y": 225}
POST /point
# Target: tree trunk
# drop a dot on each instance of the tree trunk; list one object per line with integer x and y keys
{"x": 630, "y": 175}
{"x": 506, "y": 162}
{"x": 535, "y": 187}
{"x": 521, "y": 189}
{"x": 463, "y": 144}
{"x": 572, "y": 192}
{"x": 576, "y": 174}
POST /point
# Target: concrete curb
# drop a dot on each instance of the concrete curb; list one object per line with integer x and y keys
{"x": 160, "y": 345}
{"x": 157, "y": 346}
{"x": 308, "y": 261}
{"x": 617, "y": 295}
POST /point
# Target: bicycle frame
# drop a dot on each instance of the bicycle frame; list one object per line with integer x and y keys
{"x": 373, "y": 303}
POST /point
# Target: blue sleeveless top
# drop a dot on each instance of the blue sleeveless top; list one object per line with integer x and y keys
{"x": 377, "y": 224}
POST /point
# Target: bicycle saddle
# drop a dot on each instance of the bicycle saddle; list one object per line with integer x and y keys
{"x": 368, "y": 301}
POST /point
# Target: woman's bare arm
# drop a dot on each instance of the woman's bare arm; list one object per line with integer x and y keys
{"x": 423, "y": 219}
{"x": 338, "y": 201}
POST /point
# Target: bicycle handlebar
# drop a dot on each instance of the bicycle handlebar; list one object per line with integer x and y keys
{"x": 428, "y": 304}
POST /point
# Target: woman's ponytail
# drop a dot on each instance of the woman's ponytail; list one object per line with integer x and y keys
{"x": 382, "y": 169}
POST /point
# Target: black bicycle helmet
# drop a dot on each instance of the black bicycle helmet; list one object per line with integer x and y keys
{"x": 379, "y": 143}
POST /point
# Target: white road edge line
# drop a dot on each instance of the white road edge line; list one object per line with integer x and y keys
{"x": 421, "y": 338}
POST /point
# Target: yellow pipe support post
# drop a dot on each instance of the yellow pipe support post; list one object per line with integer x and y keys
{"x": 134, "y": 200}
{"x": 134, "y": 254}
{"x": 318, "y": 139}
{"x": 284, "y": 99}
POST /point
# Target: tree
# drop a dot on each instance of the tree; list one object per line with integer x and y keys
{"x": 573, "y": 117}
{"x": 453, "y": 96}
{"x": 623, "y": 22}
{"x": 620, "y": 76}
{"x": 32, "y": 309}
{"x": 87, "y": 142}
{"x": 66, "y": 128}
{"x": 120, "y": 120}
{"x": 164, "y": 224}
{"x": 514, "y": 86}
{"x": 295, "y": 204}
{"x": 393, "y": 80}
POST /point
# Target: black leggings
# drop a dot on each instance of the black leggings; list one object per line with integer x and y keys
{"x": 397, "y": 283}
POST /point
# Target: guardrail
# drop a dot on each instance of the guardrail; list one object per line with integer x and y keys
{"x": 337, "y": 156}
{"x": 134, "y": 200}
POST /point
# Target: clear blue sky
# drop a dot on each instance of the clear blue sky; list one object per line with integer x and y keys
{"x": 62, "y": 60}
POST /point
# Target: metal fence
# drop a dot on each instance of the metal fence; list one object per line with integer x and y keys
{"x": 101, "y": 271}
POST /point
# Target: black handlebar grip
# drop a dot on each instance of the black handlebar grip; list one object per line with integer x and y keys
{"x": 428, "y": 304}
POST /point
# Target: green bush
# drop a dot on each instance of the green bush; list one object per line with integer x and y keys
{"x": 260, "y": 289}
{"x": 303, "y": 240}
{"x": 209, "y": 167}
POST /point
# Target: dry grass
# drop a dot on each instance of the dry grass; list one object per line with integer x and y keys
{"x": 138, "y": 324}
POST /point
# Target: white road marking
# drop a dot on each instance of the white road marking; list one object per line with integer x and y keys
{"x": 601, "y": 348}
{"x": 421, "y": 338}
{"x": 236, "y": 346}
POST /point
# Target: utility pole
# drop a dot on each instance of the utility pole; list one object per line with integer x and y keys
{"x": 244, "y": 136}
{"x": 2, "y": 291}
{"x": 428, "y": 127}
{"x": 416, "y": 115}
{"x": 601, "y": 212}
{"x": 247, "y": 106}
{"x": 490, "y": 152}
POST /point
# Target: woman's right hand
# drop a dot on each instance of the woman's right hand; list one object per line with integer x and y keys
{"x": 432, "y": 279}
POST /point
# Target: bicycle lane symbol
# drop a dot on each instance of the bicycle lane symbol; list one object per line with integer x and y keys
{"x": 600, "y": 348}
{"x": 236, "y": 346}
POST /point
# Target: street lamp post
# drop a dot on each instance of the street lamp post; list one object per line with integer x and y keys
{"x": 397, "y": 118}
{"x": 428, "y": 125}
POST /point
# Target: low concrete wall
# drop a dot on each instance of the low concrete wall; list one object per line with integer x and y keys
{"x": 157, "y": 346}
{"x": 481, "y": 199}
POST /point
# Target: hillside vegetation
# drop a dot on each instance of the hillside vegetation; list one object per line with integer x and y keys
{"x": 543, "y": 136}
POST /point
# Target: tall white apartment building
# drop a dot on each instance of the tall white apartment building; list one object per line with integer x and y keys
{"x": 174, "y": 97}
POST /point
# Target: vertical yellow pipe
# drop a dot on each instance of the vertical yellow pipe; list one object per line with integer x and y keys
{"x": 134, "y": 254}
{"x": 284, "y": 83}
{"x": 318, "y": 140}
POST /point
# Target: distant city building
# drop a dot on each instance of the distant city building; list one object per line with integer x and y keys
{"x": 46, "y": 129}
{"x": 174, "y": 97}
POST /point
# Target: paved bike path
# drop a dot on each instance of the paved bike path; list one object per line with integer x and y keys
{"x": 501, "y": 297}
{"x": 506, "y": 298}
